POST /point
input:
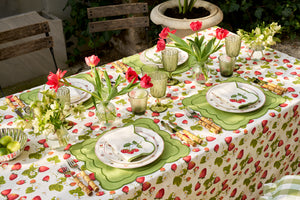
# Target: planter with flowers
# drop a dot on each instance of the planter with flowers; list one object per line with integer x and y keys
{"x": 188, "y": 11}
{"x": 259, "y": 38}
{"x": 104, "y": 92}
{"x": 198, "y": 49}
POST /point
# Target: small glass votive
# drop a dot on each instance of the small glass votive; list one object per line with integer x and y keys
{"x": 63, "y": 94}
{"x": 226, "y": 64}
{"x": 138, "y": 100}
{"x": 147, "y": 69}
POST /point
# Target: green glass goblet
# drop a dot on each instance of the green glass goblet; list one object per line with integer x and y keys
{"x": 159, "y": 80}
{"x": 170, "y": 61}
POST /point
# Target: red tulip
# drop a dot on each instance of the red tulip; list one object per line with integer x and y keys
{"x": 161, "y": 45}
{"x": 131, "y": 75}
{"x": 146, "y": 81}
{"x": 165, "y": 32}
{"x": 196, "y": 26}
{"x": 92, "y": 61}
{"x": 54, "y": 79}
{"x": 221, "y": 33}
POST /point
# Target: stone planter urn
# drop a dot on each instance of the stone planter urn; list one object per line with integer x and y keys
{"x": 182, "y": 26}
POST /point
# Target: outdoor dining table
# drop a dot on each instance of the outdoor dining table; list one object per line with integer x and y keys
{"x": 252, "y": 148}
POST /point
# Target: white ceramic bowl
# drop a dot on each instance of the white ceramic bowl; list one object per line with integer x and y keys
{"x": 17, "y": 135}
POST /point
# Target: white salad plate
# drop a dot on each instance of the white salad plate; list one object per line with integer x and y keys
{"x": 215, "y": 99}
{"x": 76, "y": 96}
{"x": 151, "y": 57}
{"x": 109, "y": 157}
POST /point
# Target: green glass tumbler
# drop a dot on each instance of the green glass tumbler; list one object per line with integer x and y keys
{"x": 138, "y": 100}
{"x": 170, "y": 61}
{"x": 159, "y": 80}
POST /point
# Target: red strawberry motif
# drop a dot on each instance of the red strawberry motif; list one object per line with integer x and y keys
{"x": 231, "y": 146}
{"x": 140, "y": 179}
{"x": 210, "y": 138}
{"x": 264, "y": 123}
{"x": 16, "y": 166}
{"x": 197, "y": 186}
{"x": 283, "y": 105}
{"x": 66, "y": 156}
{"x": 155, "y": 114}
{"x": 91, "y": 114}
{"x": 289, "y": 65}
{"x": 177, "y": 198}
{"x": 257, "y": 73}
{"x": 37, "y": 198}
{"x": 174, "y": 167}
{"x": 6, "y": 192}
{"x": 244, "y": 197}
{"x": 259, "y": 185}
{"x": 233, "y": 192}
{"x": 179, "y": 115}
{"x": 272, "y": 114}
{"x": 280, "y": 143}
{"x": 234, "y": 166}
{"x": 295, "y": 95}
{"x": 228, "y": 140}
{"x": 253, "y": 130}
{"x": 156, "y": 121}
{"x": 13, "y": 176}
{"x": 43, "y": 168}
{"x": 272, "y": 137}
{"x": 26, "y": 148}
{"x": 217, "y": 179}
{"x": 146, "y": 186}
{"x": 8, "y": 116}
{"x": 266, "y": 147}
{"x": 67, "y": 147}
{"x": 265, "y": 129}
{"x": 240, "y": 154}
{"x": 46, "y": 178}
{"x": 88, "y": 124}
{"x": 191, "y": 165}
{"x": 293, "y": 73}
{"x": 208, "y": 84}
{"x": 125, "y": 189}
{"x": 160, "y": 194}
{"x": 216, "y": 148}
{"x": 187, "y": 82}
{"x": 12, "y": 196}
{"x": 92, "y": 176}
{"x": 20, "y": 182}
{"x": 203, "y": 173}
{"x": 285, "y": 60}
{"x": 42, "y": 141}
{"x": 45, "y": 145}
{"x": 75, "y": 131}
{"x": 129, "y": 109}
{"x": 278, "y": 73}
{"x": 290, "y": 89}
{"x": 10, "y": 123}
{"x": 174, "y": 97}
{"x": 187, "y": 158}
{"x": 184, "y": 122}
{"x": 264, "y": 175}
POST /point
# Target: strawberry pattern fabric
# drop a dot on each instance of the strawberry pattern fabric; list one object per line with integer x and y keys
{"x": 234, "y": 164}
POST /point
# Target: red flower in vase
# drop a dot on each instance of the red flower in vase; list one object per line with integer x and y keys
{"x": 196, "y": 26}
{"x": 146, "y": 81}
{"x": 221, "y": 33}
{"x": 131, "y": 75}
{"x": 54, "y": 79}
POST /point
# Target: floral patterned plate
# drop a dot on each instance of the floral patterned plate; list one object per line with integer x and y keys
{"x": 151, "y": 57}
{"x": 108, "y": 156}
{"x": 250, "y": 97}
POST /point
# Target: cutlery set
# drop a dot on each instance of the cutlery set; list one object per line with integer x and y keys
{"x": 91, "y": 183}
{"x": 25, "y": 108}
{"x": 270, "y": 86}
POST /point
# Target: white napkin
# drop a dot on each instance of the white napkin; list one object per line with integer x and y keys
{"x": 234, "y": 96}
{"x": 127, "y": 144}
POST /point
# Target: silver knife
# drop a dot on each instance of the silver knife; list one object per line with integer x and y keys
{"x": 23, "y": 106}
{"x": 12, "y": 106}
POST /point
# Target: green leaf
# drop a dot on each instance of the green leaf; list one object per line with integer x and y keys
{"x": 159, "y": 180}
{"x": 219, "y": 161}
{"x": 253, "y": 143}
{"x": 2, "y": 181}
{"x": 188, "y": 189}
{"x": 277, "y": 164}
{"x": 55, "y": 159}
{"x": 177, "y": 180}
{"x": 127, "y": 145}
{"x": 107, "y": 79}
{"x": 29, "y": 190}
{"x": 56, "y": 187}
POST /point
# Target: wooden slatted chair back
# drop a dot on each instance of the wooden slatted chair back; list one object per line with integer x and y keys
{"x": 130, "y": 10}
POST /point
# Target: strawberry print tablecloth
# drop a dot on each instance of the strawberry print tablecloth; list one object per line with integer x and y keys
{"x": 234, "y": 164}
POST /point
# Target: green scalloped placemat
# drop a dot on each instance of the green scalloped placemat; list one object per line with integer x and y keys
{"x": 135, "y": 62}
{"x": 111, "y": 178}
{"x": 231, "y": 121}
{"x": 30, "y": 96}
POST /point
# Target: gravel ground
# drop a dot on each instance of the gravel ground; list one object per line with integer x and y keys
{"x": 290, "y": 47}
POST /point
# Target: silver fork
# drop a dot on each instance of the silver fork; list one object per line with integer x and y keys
{"x": 91, "y": 183}
{"x": 67, "y": 171}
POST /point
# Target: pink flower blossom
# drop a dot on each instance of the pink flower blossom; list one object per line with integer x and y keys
{"x": 54, "y": 79}
{"x": 131, "y": 75}
{"x": 146, "y": 81}
{"x": 221, "y": 33}
{"x": 92, "y": 61}
{"x": 196, "y": 26}
{"x": 161, "y": 45}
{"x": 165, "y": 32}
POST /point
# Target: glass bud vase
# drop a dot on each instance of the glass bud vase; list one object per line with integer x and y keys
{"x": 106, "y": 113}
{"x": 58, "y": 140}
{"x": 256, "y": 52}
{"x": 200, "y": 73}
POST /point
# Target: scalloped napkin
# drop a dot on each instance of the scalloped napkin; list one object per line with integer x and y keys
{"x": 237, "y": 97}
{"x": 127, "y": 144}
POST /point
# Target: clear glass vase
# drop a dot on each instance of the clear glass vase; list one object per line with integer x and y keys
{"x": 63, "y": 93}
{"x": 256, "y": 52}
{"x": 106, "y": 113}
{"x": 58, "y": 140}
{"x": 200, "y": 72}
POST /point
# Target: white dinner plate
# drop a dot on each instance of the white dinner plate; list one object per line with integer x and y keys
{"x": 151, "y": 57}
{"x": 222, "y": 105}
{"x": 108, "y": 157}
{"x": 76, "y": 96}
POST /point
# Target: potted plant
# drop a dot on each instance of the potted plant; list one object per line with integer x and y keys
{"x": 209, "y": 14}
